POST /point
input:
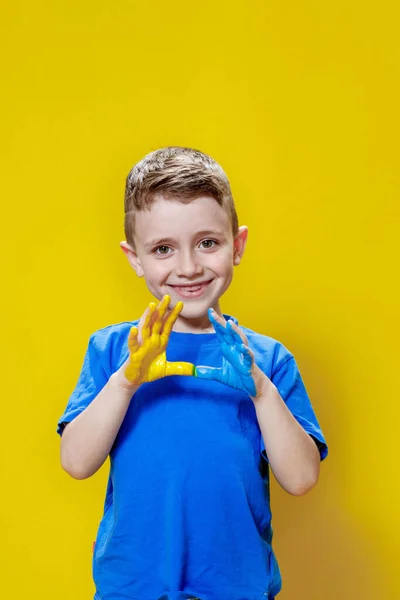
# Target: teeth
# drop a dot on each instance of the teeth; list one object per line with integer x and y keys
{"x": 187, "y": 289}
{"x": 191, "y": 289}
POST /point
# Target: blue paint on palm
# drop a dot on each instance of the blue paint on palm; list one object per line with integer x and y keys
{"x": 237, "y": 360}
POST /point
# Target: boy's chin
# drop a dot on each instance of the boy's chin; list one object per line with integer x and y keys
{"x": 194, "y": 310}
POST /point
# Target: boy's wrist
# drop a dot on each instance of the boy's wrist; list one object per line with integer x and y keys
{"x": 263, "y": 384}
{"x": 121, "y": 383}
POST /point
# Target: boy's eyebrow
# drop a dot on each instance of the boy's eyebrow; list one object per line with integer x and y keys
{"x": 170, "y": 240}
{"x": 210, "y": 233}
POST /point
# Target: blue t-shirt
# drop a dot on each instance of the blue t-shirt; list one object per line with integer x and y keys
{"x": 187, "y": 511}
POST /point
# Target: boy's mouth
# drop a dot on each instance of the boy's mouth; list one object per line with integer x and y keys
{"x": 193, "y": 290}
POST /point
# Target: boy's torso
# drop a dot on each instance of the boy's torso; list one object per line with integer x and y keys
{"x": 186, "y": 503}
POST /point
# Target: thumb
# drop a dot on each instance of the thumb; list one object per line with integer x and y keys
{"x": 203, "y": 372}
{"x": 179, "y": 368}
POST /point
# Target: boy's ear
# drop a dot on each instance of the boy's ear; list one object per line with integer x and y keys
{"x": 239, "y": 244}
{"x": 132, "y": 257}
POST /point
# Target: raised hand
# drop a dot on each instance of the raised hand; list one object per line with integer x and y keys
{"x": 237, "y": 361}
{"x": 147, "y": 345}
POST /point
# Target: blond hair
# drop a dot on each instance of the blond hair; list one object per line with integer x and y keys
{"x": 177, "y": 173}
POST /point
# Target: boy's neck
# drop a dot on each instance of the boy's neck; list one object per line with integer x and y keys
{"x": 199, "y": 325}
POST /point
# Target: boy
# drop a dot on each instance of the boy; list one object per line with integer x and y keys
{"x": 187, "y": 504}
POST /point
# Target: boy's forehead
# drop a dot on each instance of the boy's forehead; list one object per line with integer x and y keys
{"x": 173, "y": 217}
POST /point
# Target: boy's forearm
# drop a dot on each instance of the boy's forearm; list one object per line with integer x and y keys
{"x": 87, "y": 440}
{"x": 292, "y": 453}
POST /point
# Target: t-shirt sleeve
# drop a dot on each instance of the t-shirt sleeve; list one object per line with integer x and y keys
{"x": 289, "y": 383}
{"x": 91, "y": 381}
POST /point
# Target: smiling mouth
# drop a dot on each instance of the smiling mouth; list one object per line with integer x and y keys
{"x": 192, "y": 290}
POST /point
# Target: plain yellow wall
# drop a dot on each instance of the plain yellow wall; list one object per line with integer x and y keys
{"x": 299, "y": 102}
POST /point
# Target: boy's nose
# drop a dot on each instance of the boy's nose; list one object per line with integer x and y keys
{"x": 188, "y": 266}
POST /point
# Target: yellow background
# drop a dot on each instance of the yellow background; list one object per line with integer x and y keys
{"x": 299, "y": 102}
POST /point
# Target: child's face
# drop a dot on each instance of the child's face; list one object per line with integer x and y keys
{"x": 186, "y": 251}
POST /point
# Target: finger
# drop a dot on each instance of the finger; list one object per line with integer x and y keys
{"x": 237, "y": 329}
{"x": 249, "y": 357}
{"x": 145, "y": 331}
{"x": 172, "y": 317}
{"x": 133, "y": 343}
{"x": 212, "y": 313}
{"x": 232, "y": 336}
{"x": 160, "y": 314}
{"x": 238, "y": 357}
{"x": 219, "y": 328}
{"x": 234, "y": 333}
{"x": 140, "y": 326}
{"x": 246, "y": 356}
{"x": 208, "y": 373}
{"x": 179, "y": 368}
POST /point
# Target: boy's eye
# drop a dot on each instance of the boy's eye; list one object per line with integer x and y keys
{"x": 208, "y": 244}
{"x": 162, "y": 250}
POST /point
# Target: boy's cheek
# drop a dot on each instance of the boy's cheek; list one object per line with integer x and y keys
{"x": 153, "y": 272}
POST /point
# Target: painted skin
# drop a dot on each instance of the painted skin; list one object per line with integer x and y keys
{"x": 147, "y": 357}
{"x": 237, "y": 360}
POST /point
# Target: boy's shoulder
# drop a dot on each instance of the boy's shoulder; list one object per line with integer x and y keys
{"x": 114, "y": 330}
{"x": 111, "y": 335}
{"x": 265, "y": 346}
{"x": 109, "y": 345}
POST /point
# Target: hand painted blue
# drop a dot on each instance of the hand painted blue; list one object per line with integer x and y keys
{"x": 237, "y": 360}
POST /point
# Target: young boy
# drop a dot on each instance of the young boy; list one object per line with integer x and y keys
{"x": 190, "y": 435}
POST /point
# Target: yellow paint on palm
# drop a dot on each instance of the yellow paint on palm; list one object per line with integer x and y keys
{"x": 148, "y": 359}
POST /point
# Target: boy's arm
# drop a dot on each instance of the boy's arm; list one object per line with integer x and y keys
{"x": 87, "y": 440}
{"x": 292, "y": 454}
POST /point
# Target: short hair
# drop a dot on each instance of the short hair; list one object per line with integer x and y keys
{"x": 178, "y": 173}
